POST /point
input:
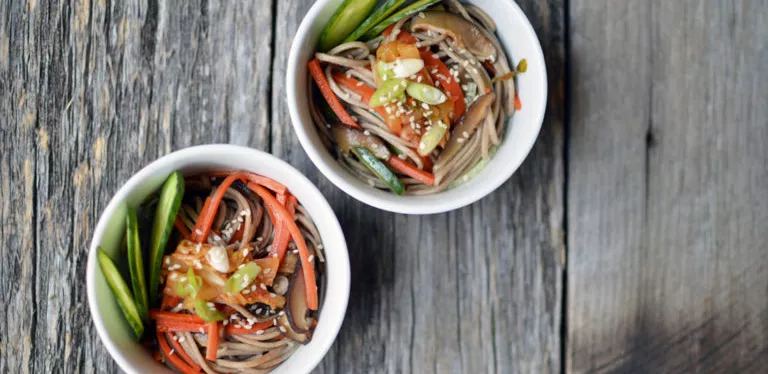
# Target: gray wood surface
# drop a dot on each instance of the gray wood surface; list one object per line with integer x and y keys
{"x": 92, "y": 91}
{"x": 657, "y": 181}
{"x": 667, "y": 186}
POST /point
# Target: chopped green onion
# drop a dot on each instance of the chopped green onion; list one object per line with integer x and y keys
{"x": 242, "y": 278}
{"x": 390, "y": 90}
{"x": 426, "y": 93}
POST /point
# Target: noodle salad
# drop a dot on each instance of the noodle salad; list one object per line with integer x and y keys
{"x": 412, "y": 98}
{"x": 225, "y": 278}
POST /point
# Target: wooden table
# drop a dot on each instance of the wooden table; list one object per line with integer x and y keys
{"x": 632, "y": 239}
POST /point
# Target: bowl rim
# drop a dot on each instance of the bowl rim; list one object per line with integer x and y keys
{"x": 340, "y": 259}
{"x": 409, "y": 204}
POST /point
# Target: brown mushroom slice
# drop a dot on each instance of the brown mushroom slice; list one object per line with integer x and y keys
{"x": 289, "y": 332}
{"x": 465, "y": 34}
{"x": 296, "y": 307}
{"x": 280, "y": 284}
{"x": 466, "y": 126}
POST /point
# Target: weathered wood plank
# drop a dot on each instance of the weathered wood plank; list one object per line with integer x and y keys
{"x": 667, "y": 215}
{"x": 91, "y": 92}
{"x": 476, "y": 290}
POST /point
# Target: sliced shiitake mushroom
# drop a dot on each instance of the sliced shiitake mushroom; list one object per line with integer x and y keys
{"x": 466, "y": 126}
{"x": 465, "y": 34}
{"x": 281, "y": 284}
{"x": 296, "y": 303}
{"x": 287, "y": 330}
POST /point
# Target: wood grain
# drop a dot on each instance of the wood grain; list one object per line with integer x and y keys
{"x": 91, "y": 92}
{"x": 667, "y": 185}
{"x": 476, "y": 290}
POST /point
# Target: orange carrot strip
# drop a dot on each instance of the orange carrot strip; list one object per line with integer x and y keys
{"x": 403, "y": 36}
{"x": 156, "y": 314}
{"x": 282, "y": 236}
{"x": 213, "y": 341}
{"x": 199, "y": 223}
{"x": 518, "y": 104}
{"x": 182, "y": 229}
{"x": 188, "y": 360}
{"x": 206, "y": 218}
{"x": 410, "y": 170}
{"x": 267, "y": 182}
{"x": 330, "y": 97}
{"x": 447, "y": 81}
{"x": 282, "y": 215}
{"x": 231, "y": 329}
{"x": 169, "y": 301}
{"x": 174, "y": 360}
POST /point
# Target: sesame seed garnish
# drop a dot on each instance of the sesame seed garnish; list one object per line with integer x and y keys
{"x": 320, "y": 246}
{"x": 259, "y": 332}
{"x": 311, "y": 257}
{"x": 171, "y": 352}
{"x": 181, "y": 339}
{"x": 272, "y": 294}
{"x": 359, "y": 84}
{"x": 282, "y": 329}
{"x": 246, "y": 291}
{"x": 267, "y": 270}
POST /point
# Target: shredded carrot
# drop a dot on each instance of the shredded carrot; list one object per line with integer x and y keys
{"x": 158, "y": 315}
{"x": 182, "y": 229}
{"x": 169, "y": 301}
{"x": 330, "y": 97}
{"x": 234, "y": 330}
{"x": 207, "y": 216}
{"x": 194, "y": 236}
{"x": 403, "y": 36}
{"x": 282, "y": 236}
{"x": 283, "y": 216}
{"x": 213, "y": 341}
{"x": 173, "y": 359}
{"x": 267, "y": 182}
{"x": 518, "y": 104}
{"x": 410, "y": 170}
{"x": 447, "y": 81}
{"x": 183, "y": 353}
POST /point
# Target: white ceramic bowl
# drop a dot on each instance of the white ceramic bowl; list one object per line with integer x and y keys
{"x": 519, "y": 40}
{"x": 110, "y": 323}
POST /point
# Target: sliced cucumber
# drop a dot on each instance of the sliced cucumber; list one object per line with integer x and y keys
{"x": 405, "y": 12}
{"x": 380, "y": 14}
{"x": 136, "y": 263}
{"x": 377, "y": 167}
{"x": 122, "y": 292}
{"x": 346, "y": 19}
{"x": 167, "y": 208}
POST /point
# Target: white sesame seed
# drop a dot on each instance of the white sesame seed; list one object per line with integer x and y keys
{"x": 311, "y": 257}
{"x": 259, "y": 239}
{"x": 225, "y": 322}
{"x": 254, "y": 288}
{"x": 167, "y": 260}
{"x": 435, "y": 56}
{"x": 281, "y": 313}
{"x": 272, "y": 294}
{"x": 175, "y": 338}
{"x": 258, "y": 310}
{"x": 358, "y": 84}
{"x": 422, "y": 15}
{"x": 366, "y": 132}
{"x": 171, "y": 352}
{"x": 282, "y": 329}
{"x": 246, "y": 291}
{"x": 274, "y": 322}
{"x": 274, "y": 255}
{"x": 181, "y": 339}
{"x": 263, "y": 286}
{"x": 259, "y": 332}
{"x": 320, "y": 246}
{"x": 425, "y": 106}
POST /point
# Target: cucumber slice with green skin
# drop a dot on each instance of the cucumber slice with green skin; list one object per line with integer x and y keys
{"x": 379, "y": 15}
{"x": 122, "y": 292}
{"x": 406, "y": 12}
{"x": 136, "y": 263}
{"x": 346, "y": 19}
{"x": 377, "y": 167}
{"x": 167, "y": 208}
